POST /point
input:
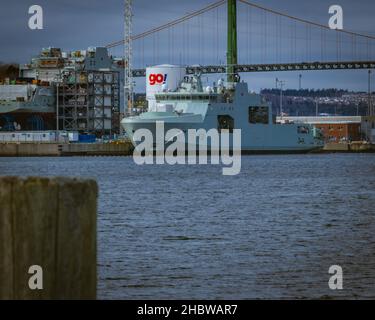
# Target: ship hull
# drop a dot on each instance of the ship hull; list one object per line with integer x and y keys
{"x": 237, "y": 109}
{"x": 278, "y": 139}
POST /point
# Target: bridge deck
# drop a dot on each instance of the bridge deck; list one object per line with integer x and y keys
{"x": 303, "y": 66}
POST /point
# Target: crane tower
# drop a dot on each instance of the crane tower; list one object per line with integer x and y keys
{"x": 128, "y": 56}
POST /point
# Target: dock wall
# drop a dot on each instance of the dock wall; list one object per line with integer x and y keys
{"x": 55, "y": 149}
{"x": 349, "y": 147}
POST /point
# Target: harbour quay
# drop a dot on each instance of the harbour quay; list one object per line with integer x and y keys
{"x": 58, "y": 149}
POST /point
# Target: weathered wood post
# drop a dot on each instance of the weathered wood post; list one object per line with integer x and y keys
{"x": 51, "y": 223}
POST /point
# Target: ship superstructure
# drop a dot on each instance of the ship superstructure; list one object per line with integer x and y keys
{"x": 224, "y": 106}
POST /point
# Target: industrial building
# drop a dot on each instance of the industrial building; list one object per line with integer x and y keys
{"x": 333, "y": 128}
{"x": 73, "y": 91}
{"x": 89, "y": 101}
{"x": 368, "y": 128}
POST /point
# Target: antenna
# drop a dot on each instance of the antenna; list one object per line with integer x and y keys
{"x": 281, "y": 83}
{"x": 128, "y": 56}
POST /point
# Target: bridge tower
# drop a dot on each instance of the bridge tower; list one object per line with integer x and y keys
{"x": 232, "y": 39}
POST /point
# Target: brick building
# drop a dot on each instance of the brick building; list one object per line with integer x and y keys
{"x": 336, "y": 132}
{"x": 334, "y": 128}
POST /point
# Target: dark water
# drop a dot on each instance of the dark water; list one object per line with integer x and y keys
{"x": 272, "y": 231}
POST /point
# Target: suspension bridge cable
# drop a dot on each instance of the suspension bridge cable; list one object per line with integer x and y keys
{"x": 171, "y": 23}
{"x": 305, "y": 21}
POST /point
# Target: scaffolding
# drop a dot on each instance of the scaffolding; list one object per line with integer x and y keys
{"x": 89, "y": 102}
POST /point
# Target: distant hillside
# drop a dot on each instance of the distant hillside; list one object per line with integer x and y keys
{"x": 331, "y": 101}
{"x": 8, "y": 70}
{"x": 308, "y": 92}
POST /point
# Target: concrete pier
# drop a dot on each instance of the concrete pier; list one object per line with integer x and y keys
{"x": 47, "y": 224}
{"x": 56, "y": 149}
{"x": 354, "y": 147}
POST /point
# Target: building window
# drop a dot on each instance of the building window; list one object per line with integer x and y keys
{"x": 258, "y": 115}
{"x": 303, "y": 129}
{"x": 225, "y": 122}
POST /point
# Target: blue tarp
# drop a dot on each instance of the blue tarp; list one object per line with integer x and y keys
{"x": 87, "y": 138}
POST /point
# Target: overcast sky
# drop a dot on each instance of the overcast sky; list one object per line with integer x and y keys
{"x": 77, "y": 24}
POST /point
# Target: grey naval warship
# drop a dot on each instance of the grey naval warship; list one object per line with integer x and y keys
{"x": 230, "y": 107}
{"x": 180, "y": 101}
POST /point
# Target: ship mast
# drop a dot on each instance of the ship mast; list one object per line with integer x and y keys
{"x": 232, "y": 40}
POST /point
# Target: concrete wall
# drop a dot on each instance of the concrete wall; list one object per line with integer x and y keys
{"x": 55, "y": 149}
{"x": 29, "y": 149}
{"x": 336, "y": 147}
{"x": 349, "y": 147}
{"x": 97, "y": 149}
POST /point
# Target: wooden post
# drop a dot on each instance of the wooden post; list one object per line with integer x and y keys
{"x": 51, "y": 223}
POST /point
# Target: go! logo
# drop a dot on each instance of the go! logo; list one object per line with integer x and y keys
{"x": 157, "y": 78}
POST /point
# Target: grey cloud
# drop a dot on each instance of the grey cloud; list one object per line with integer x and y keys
{"x": 77, "y": 24}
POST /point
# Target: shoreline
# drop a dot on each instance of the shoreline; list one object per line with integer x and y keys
{"x": 126, "y": 149}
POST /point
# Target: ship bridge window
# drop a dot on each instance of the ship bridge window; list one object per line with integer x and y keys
{"x": 178, "y": 97}
{"x": 225, "y": 122}
{"x": 258, "y": 115}
{"x": 303, "y": 129}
